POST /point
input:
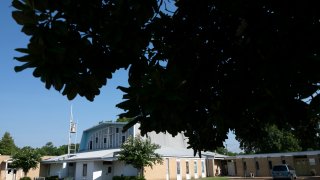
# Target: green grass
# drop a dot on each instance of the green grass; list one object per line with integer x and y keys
{"x": 215, "y": 178}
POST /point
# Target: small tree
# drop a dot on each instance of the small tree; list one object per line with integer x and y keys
{"x": 139, "y": 153}
{"x": 25, "y": 159}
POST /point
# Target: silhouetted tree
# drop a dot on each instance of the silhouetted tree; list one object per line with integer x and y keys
{"x": 201, "y": 67}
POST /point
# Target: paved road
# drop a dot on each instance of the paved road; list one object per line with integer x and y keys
{"x": 269, "y": 178}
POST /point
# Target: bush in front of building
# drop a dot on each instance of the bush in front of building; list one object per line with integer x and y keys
{"x": 128, "y": 178}
{"x": 25, "y": 178}
{"x": 52, "y": 178}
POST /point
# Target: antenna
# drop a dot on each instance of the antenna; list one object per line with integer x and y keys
{"x": 72, "y": 146}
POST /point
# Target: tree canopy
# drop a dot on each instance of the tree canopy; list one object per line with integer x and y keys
{"x": 202, "y": 68}
{"x": 273, "y": 140}
{"x": 50, "y": 150}
{"x": 139, "y": 153}
{"x": 26, "y": 158}
{"x": 7, "y": 145}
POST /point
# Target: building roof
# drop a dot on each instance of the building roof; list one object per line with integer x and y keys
{"x": 110, "y": 155}
{"x": 104, "y": 123}
{"x": 102, "y": 155}
{"x": 302, "y": 153}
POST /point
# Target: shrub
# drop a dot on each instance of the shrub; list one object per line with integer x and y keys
{"x": 52, "y": 178}
{"x": 25, "y": 178}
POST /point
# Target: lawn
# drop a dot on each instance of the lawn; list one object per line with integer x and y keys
{"x": 215, "y": 178}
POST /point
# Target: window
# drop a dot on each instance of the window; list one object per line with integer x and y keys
{"x": 178, "y": 168}
{"x": 123, "y": 139}
{"x": 195, "y": 167}
{"x": 270, "y": 164}
{"x": 167, "y": 167}
{"x": 109, "y": 169}
{"x": 90, "y": 145}
{"x": 84, "y": 170}
{"x": 187, "y": 167}
{"x": 202, "y": 166}
{"x": 96, "y": 139}
{"x": 283, "y": 161}
{"x": 257, "y": 165}
{"x": 104, "y": 140}
{"x": 244, "y": 165}
{"x": 117, "y": 130}
{"x": 312, "y": 161}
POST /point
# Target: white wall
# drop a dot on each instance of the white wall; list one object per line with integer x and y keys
{"x": 120, "y": 168}
{"x": 99, "y": 171}
{"x": 165, "y": 139}
{"x": 79, "y": 168}
{"x": 58, "y": 169}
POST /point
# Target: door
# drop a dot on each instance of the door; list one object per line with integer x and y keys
{"x": 109, "y": 173}
{"x": 231, "y": 168}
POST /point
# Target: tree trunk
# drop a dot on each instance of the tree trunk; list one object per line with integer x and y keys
{"x": 141, "y": 172}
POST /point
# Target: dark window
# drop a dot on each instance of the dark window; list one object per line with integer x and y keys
{"x": 90, "y": 145}
{"x": 70, "y": 164}
{"x": 283, "y": 161}
{"x": 104, "y": 140}
{"x": 123, "y": 139}
{"x": 187, "y": 167}
{"x": 84, "y": 170}
{"x": 96, "y": 139}
{"x": 9, "y": 166}
{"x": 280, "y": 168}
{"x": 244, "y": 165}
{"x": 109, "y": 169}
{"x": 117, "y": 130}
{"x": 257, "y": 165}
{"x": 270, "y": 164}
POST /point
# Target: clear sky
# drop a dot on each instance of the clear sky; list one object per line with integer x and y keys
{"x": 34, "y": 115}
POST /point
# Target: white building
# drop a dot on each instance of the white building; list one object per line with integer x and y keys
{"x": 97, "y": 157}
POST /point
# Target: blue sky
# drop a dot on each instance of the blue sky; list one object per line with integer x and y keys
{"x": 34, "y": 115}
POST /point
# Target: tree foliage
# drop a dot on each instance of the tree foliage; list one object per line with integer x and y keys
{"x": 273, "y": 140}
{"x": 123, "y": 119}
{"x": 7, "y": 145}
{"x": 139, "y": 153}
{"x": 207, "y": 67}
{"x": 225, "y": 151}
{"x": 50, "y": 150}
{"x": 26, "y": 158}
